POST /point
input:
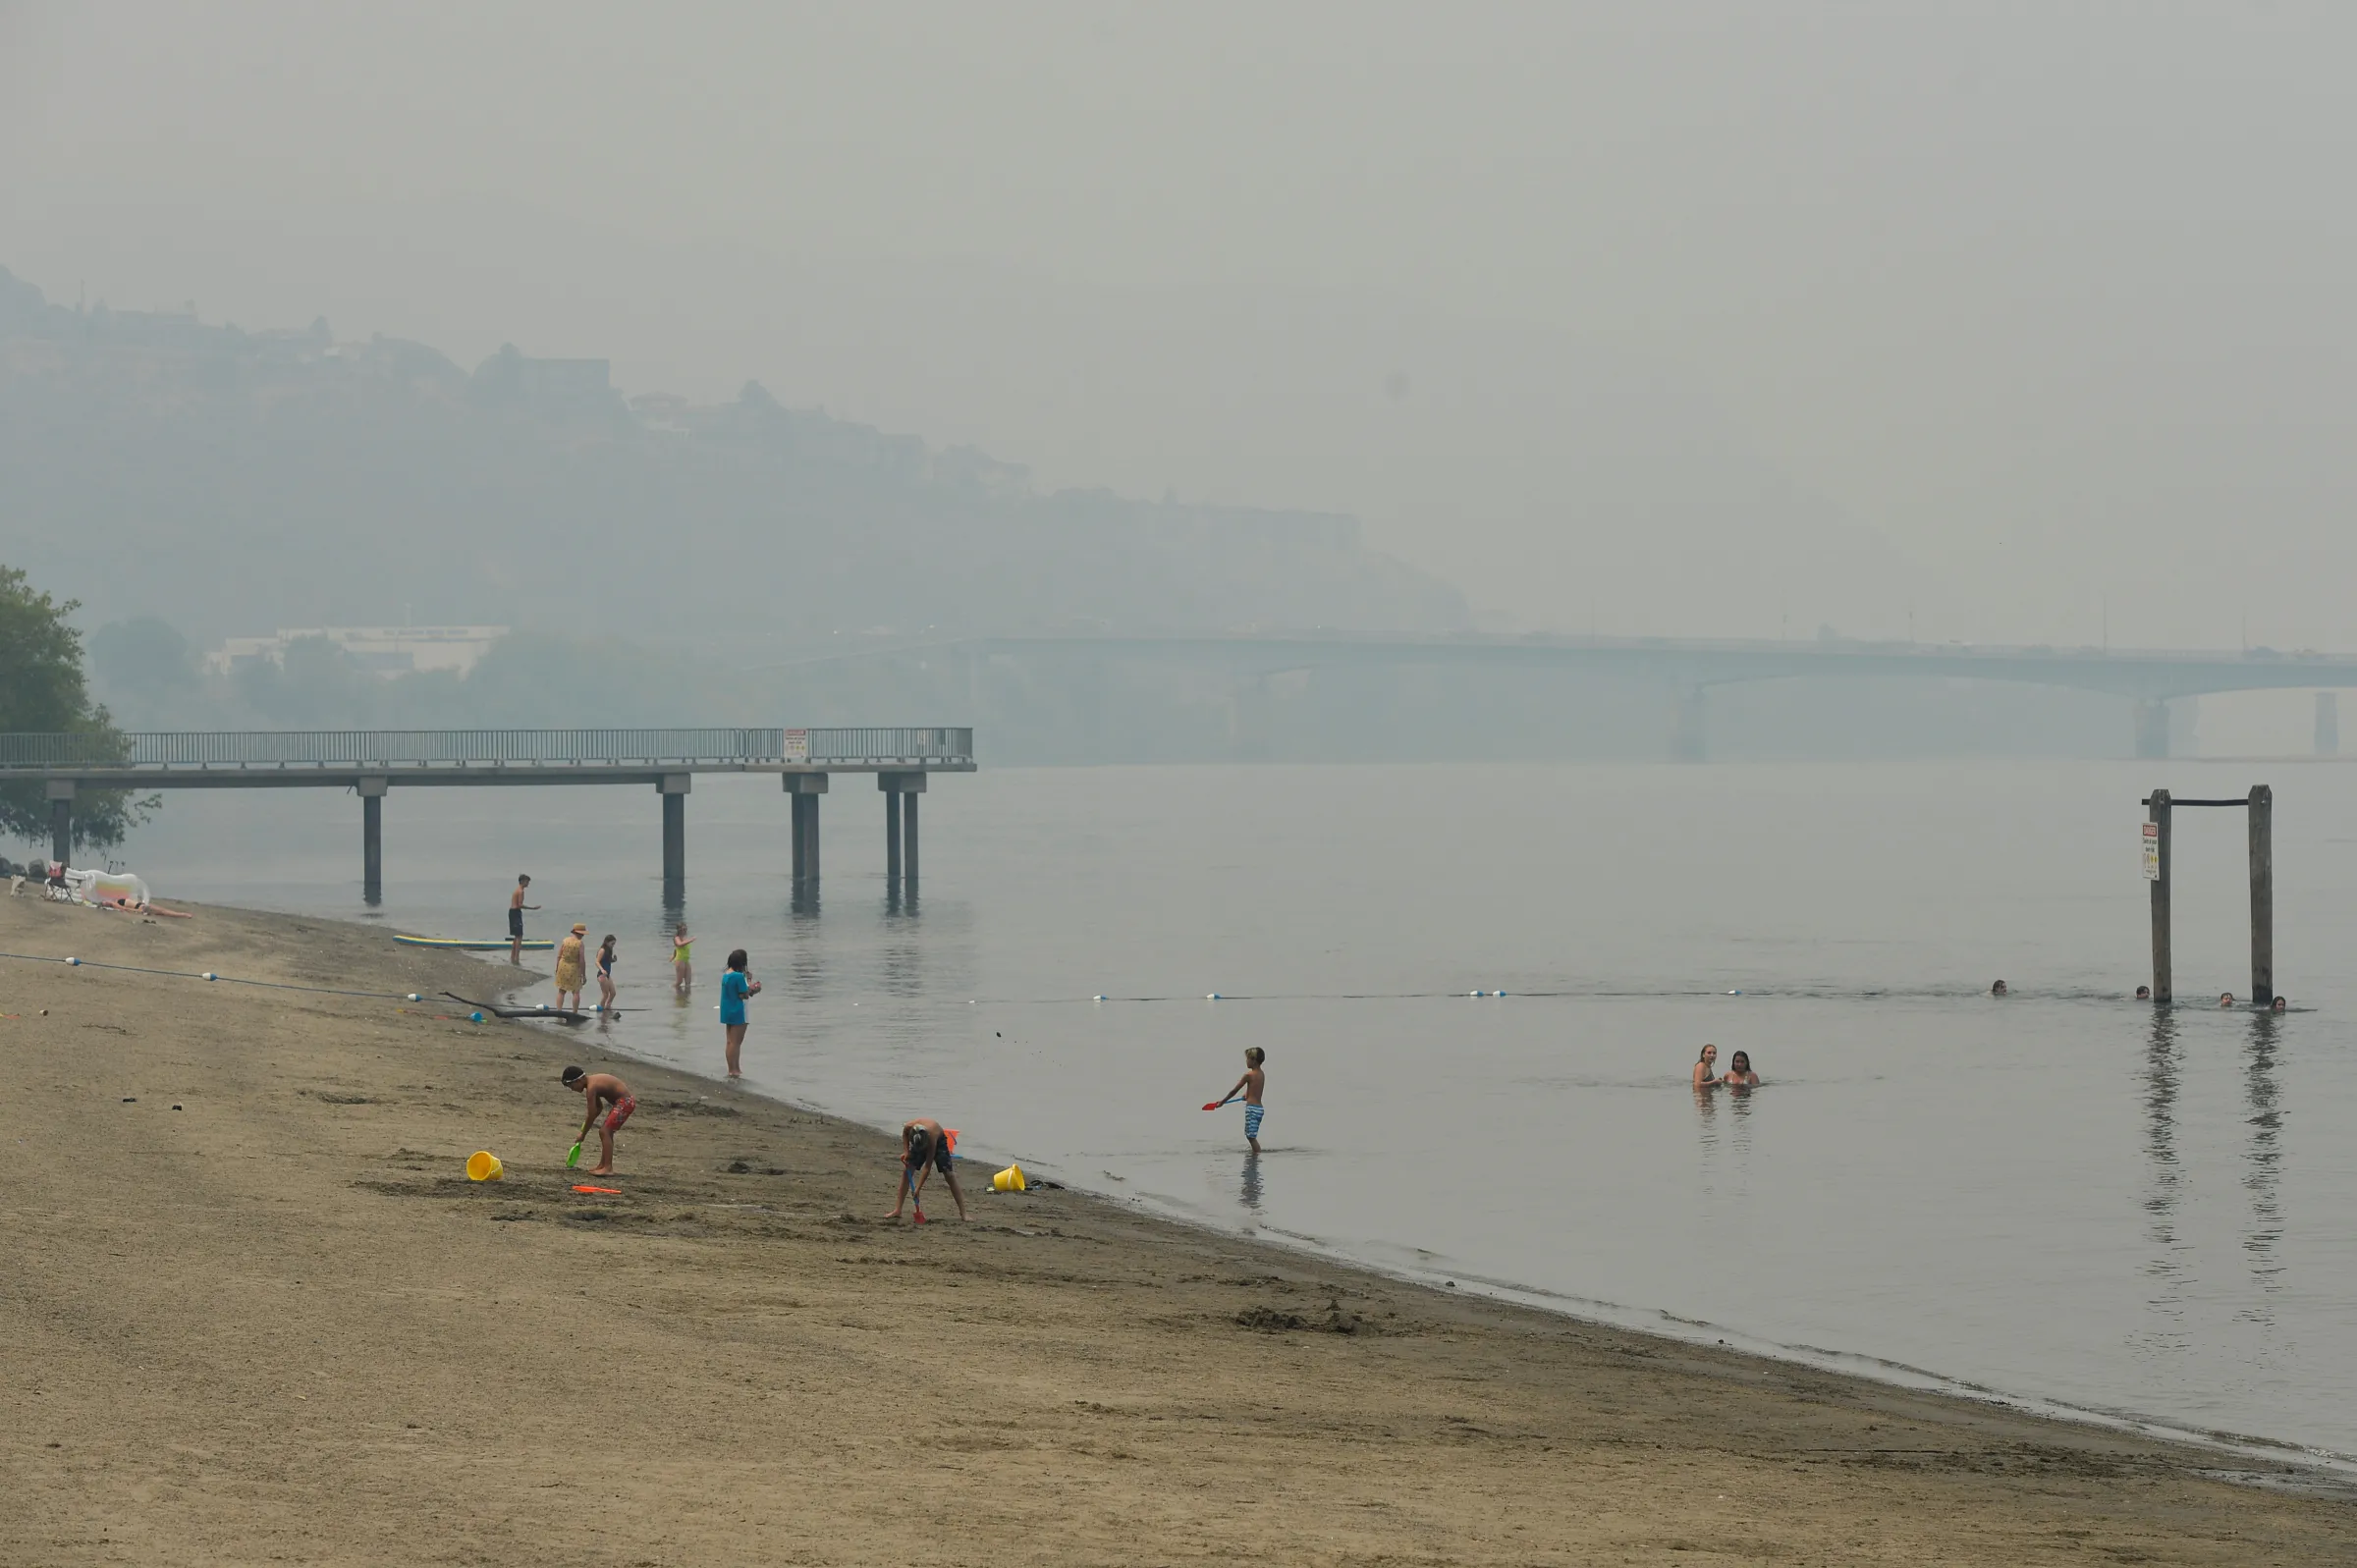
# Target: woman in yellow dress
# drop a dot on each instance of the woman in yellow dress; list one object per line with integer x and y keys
{"x": 573, "y": 969}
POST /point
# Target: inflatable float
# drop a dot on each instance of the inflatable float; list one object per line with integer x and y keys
{"x": 471, "y": 943}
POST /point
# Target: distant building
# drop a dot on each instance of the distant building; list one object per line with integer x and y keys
{"x": 387, "y": 650}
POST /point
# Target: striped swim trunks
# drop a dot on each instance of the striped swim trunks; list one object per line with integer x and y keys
{"x": 1252, "y": 1115}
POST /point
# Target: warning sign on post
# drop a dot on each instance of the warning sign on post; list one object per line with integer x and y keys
{"x": 798, "y": 745}
{"x": 2151, "y": 851}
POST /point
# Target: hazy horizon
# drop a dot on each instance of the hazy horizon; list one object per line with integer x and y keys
{"x": 1998, "y": 323}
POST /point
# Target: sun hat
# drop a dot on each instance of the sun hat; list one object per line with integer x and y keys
{"x": 579, "y": 930}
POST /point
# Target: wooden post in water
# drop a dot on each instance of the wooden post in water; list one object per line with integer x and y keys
{"x": 2263, "y": 895}
{"x": 2158, "y": 814}
{"x": 373, "y": 840}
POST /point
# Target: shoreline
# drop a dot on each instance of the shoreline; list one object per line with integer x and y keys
{"x": 281, "y": 1320}
{"x": 2330, "y": 1469}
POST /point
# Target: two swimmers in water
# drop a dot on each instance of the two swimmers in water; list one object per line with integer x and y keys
{"x": 1739, "y": 1074}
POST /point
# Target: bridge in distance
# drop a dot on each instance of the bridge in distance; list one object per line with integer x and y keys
{"x": 1685, "y": 669}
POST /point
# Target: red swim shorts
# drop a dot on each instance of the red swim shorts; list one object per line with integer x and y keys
{"x": 621, "y": 1113}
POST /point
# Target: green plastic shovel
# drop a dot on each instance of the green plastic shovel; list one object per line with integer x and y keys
{"x": 572, "y": 1158}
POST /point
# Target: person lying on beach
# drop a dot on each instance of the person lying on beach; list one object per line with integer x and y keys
{"x": 600, "y": 1090}
{"x": 925, "y": 1146}
{"x": 1703, "y": 1068}
{"x": 1739, "y": 1074}
{"x": 1249, "y": 1086}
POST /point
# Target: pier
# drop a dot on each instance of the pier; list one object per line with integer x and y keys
{"x": 370, "y": 763}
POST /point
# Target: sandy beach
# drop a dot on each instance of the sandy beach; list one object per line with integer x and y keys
{"x": 254, "y": 1312}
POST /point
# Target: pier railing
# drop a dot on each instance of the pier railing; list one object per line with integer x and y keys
{"x": 344, "y": 748}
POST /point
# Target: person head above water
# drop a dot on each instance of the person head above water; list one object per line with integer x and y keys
{"x": 2144, "y": 993}
{"x": 1742, "y": 1062}
{"x": 737, "y": 959}
{"x": 1710, "y": 1053}
{"x": 2225, "y": 999}
{"x": 1999, "y": 989}
{"x": 572, "y": 1077}
{"x": 2278, "y": 1006}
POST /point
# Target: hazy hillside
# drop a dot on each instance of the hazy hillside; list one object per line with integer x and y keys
{"x": 235, "y": 481}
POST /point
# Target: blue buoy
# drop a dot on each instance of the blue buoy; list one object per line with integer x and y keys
{"x": 1096, "y": 999}
{"x": 544, "y": 1007}
{"x": 74, "y": 963}
{"x": 414, "y": 997}
{"x": 209, "y": 975}
{"x": 474, "y": 1017}
{"x": 1212, "y": 995}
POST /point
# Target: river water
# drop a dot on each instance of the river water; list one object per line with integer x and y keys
{"x": 2062, "y": 1196}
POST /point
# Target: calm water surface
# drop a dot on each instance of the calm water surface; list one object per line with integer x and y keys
{"x": 2060, "y": 1196}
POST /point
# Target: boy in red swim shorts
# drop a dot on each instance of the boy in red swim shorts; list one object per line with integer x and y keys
{"x": 602, "y": 1090}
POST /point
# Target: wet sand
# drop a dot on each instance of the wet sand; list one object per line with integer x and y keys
{"x": 277, "y": 1323}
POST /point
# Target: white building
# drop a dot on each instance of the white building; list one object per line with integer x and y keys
{"x": 387, "y": 650}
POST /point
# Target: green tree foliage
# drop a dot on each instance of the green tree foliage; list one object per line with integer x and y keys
{"x": 41, "y": 689}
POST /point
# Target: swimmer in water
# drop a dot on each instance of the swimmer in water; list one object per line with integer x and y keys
{"x": 2225, "y": 999}
{"x": 2279, "y": 1004}
{"x": 1739, "y": 1074}
{"x": 2144, "y": 993}
{"x": 1703, "y": 1076}
{"x": 1999, "y": 989}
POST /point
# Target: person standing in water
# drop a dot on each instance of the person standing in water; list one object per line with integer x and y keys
{"x": 683, "y": 948}
{"x": 735, "y": 988}
{"x": 1739, "y": 1074}
{"x": 515, "y": 908}
{"x": 1705, "y": 1068}
{"x": 605, "y": 974}
{"x": 1250, "y": 1086}
{"x": 571, "y": 965}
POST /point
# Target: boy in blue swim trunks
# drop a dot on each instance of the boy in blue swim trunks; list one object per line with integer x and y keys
{"x": 1249, "y": 1086}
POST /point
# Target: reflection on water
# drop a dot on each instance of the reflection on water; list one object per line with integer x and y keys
{"x": 1250, "y": 1195}
{"x": 2164, "y": 1181}
{"x": 2264, "y": 1158}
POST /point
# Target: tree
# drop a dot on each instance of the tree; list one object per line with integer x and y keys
{"x": 146, "y": 657}
{"x": 42, "y": 690}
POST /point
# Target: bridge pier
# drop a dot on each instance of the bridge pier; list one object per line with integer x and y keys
{"x": 900, "y": 791}
{"x": 373, "y": 840}
{"x": 805, "y": 788}
{"x": 674, "y": 788}
{"x": 61, "y": 820}
{"x": 2151, "y": 726}
{"x": 1690, "y": 733}
{"x": 2328, "y": 724}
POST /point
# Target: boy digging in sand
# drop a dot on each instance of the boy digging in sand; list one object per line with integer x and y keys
{"x": 925, "y": 1146}
{"x": 602, "y": 1089}
{"x": 1249, "y": 1086}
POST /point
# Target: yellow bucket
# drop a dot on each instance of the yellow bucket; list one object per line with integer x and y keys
{"x": 484, "y": 1166}
{"x": 1010, "y": 1180}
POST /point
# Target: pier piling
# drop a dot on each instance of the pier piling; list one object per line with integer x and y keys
{"x": 61, "y": 820}
{"x": 373, "y": 840}
{"x": 674, "y": 788}
{"x": 2157, "y": 811}
{"x": 2263, "y": 895}
{"x": 805, "y": 788}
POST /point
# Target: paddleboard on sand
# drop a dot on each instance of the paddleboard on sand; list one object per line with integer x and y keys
{"x": 471, "y": 943}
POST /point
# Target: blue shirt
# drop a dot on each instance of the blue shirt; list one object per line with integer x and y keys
{"x": 732, "y": 996}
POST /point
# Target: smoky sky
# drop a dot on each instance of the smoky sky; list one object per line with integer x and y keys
{"x": 2027, "y": 322}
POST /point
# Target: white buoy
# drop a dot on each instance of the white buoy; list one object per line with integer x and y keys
{"x": 414, "y": 997}
{"x": 1472, "y": 992}
{"x": 209, "y": 975}
{"x": 1096, "y": 999}
{"x": 1211, "y": 995}
{"x": 544, "y": 1007}
{"x": 74, "y": 963}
